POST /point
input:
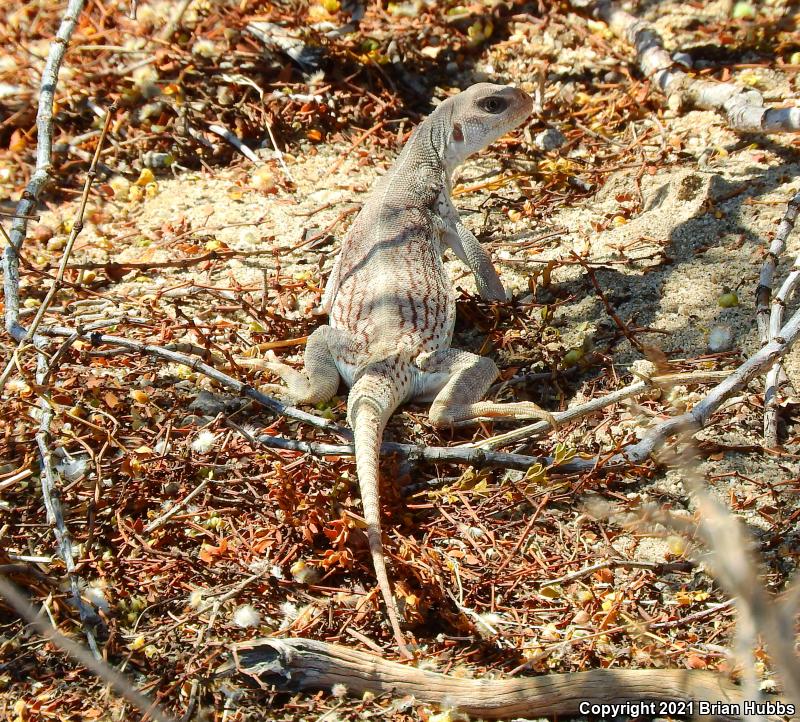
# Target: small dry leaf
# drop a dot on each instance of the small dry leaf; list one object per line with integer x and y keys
{"x": 208, "y": 552}
{"x": 18, "y": 142}
{"x": 694, "y": 661}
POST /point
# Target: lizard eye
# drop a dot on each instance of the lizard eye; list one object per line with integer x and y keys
{"x": 493, "y": 104}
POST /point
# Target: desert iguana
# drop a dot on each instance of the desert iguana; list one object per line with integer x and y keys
{"x": 392, "y": 305}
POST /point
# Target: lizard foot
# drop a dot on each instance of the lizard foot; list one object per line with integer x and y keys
{"x": 447, "y": 416}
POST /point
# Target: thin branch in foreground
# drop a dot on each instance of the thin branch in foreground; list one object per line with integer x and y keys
{"x": 231, "y": 138}
{"x": 657, "y": 567}
{"x": 733, "y": 565}
{"x": 44, "y": 148}
{"x": 50, "y": 482}
{"x": 102, "y": 670}
{"x": 50, "y": 479}
{"x": 700, "y": 415}
{"x": 482, "y": 454}
{"x": 577, "y": 412}
{"x": 743, "y": 107}
{"x": 432, "y": 454}
{"x": 633, "y": 453}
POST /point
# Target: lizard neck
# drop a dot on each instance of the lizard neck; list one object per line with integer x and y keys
{"x": 434, "y": 156}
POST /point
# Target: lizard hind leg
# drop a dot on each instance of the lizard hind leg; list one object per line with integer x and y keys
{"x": 319, "y": 380}
{"x": 459, "y": 398}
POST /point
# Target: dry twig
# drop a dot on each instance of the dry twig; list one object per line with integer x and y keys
{"x": 42, "y": 173}
{"x": 743, "y": 107}
{"x": 769, "y": 322}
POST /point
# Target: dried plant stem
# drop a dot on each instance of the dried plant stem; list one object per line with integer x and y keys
{"x": 196, "y": 364}
{"x": 432, "y": 454}
{"x": 769, "y": 322}
{"x": 758, "y": 364}
{"x": 50, "y": 483}
{"x": 233, "y": 139}
{"x": 734, "y": 567}
{"x": 175, "y": 508}
{"x": 45, "y": 368}
{"x": 77, "y": 227}
{"x": 175, "y": 21}
{"x": 44, "y": 124}
{"x": 765, "y": 279}
{"x": 657, "y": 567}
{"x": 633, "y": 453}
{"x": 42, "y": 172}
{"x": 743, "y": 107}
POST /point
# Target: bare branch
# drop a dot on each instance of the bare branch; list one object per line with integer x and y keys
{"x": 733, "y": 565}
{"x": 196, "y": 364}
{"x": 41, "y": 175}
{"x": 590, "y": 407}
{"x": 769, "y": 331}
{"x": 743, "y": 107}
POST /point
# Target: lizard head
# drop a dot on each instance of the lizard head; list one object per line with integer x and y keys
{"x": 480, "y": 115}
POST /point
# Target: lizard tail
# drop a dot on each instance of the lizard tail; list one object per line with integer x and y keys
{"x": 371, "y": 402}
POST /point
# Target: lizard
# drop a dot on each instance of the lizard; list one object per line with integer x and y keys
{"x": 391, "y": 303}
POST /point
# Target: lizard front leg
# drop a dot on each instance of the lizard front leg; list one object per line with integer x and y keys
{"x": 319, "y": 380}
{"x": 469, "y": 250}
{"x": 459, "y": 379}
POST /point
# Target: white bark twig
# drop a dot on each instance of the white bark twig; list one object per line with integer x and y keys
{"x": 25, "y": 207}
{"x": 769, "y": 321}
{"x": 700, "y": 415}
{"x": 634, "y": 453}
{"x": 43, "y": 170}
{"x": 45, "y": 367}
{"x": 432, "y": 454}
{"x": 77, "y": 227}
{"x": 743, "y": 107}
{"x": 175, "y": 508}
{"x": 234, "y": 141}
{"x": 50, "y": 483}
{"x": 765, "y": 279}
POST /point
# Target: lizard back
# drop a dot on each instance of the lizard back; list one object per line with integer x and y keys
{"x": 392, "y": 292}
